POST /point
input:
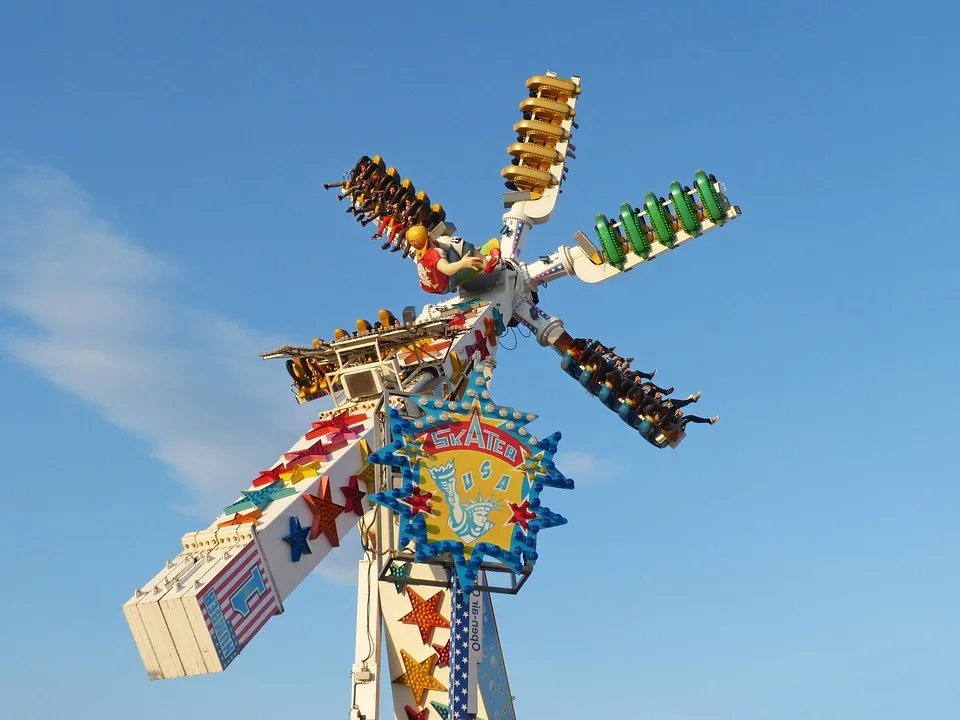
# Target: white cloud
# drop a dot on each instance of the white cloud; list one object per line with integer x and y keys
{"x": 586, "y": 468}
{"x": 100, "y": 320}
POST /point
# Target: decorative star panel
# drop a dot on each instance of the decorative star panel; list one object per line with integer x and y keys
{"x": 425, "y": 614}
{"x": 418, "y": 676}
{"x": 325, "y": 513}
{"x": 353, "y": 496}
{"x": 442, "y": 710}
{"x": 341, "y": 425}
{"x": 260, "y": 498}
{"x": 241, "y": 519}
{"x": 399, "y": 571}
{"x": 413, "y": 714}
{"x": 365, "y": 473}
{"x": 297, "y": 540}
{"x": 443, "y": 654}
{"x": 475, "y": 470}
{"x": 299, "y": 472}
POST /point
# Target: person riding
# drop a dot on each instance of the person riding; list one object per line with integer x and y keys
{"x": 678, "y": 421}
{"x": 433, "y": 268}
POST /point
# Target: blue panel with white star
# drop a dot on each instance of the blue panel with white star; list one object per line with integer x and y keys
{"x": 538, "y": 468}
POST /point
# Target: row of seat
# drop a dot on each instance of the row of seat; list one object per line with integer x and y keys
{"x": 641, "y": 405}
{"x": 310, "y": 374}
{"x": 660, "y": 219}
{"x": 546, "y": 112}
{"x": 377, "y": 194}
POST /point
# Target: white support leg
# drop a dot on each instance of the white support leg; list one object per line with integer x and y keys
{"x": 366, "y": 668}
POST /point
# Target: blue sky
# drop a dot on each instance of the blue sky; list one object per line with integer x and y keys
{"x": 161, "y": 221}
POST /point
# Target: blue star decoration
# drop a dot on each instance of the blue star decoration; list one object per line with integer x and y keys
{"x": 538, "y": 470}
{"x": 297, "y": 540}
{"x": 260, "y": 498}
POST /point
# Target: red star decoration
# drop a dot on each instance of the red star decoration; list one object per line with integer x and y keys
{"x": 325, "y": 513}
{"x": 314, "y": 453}
{"x": 521, "y": 514}
{"x": 341, "y": 423}
{"x": 267, "y": 477}
{"x": 419, "y": 502}
{"x": 443, "y": 654}
{"x": 480, "y": 348}
{"x": 457, "y": 321}
{"x": 352, "y": 496}
{"x": 425, "y": 614}
{"x": 414, "y": 714}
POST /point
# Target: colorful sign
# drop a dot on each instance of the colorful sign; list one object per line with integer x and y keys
{"x": 472, "y": 477}
{"x": 237, "y": 603}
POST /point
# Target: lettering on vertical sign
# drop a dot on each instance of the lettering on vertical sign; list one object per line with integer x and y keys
{"x": 475, "y": 655}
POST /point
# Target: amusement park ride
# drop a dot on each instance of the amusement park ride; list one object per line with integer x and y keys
{"x": 444, "y": 483}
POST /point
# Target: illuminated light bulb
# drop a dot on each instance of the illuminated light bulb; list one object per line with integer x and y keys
{"x": 418, "y": 423}
{"x": 531, "y": 417}
{"x": 438, "y": 403}
{"x": 431, "y": 419}
{"x": 532, "y": 440}
{"x": 517, "y": 415}
{"x": 489, "y": 407}
{"x": 522, "y": 431}
{"x": 503, "y": 412}
{"x": 444, "y": 416}
{"x": 510, "y": 426}
{"x": 485, "y": 394}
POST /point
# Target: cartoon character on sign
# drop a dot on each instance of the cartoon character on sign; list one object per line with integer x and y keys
{"x": 469, "y": 520}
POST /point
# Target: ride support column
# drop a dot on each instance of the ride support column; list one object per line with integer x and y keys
{"x": 512, "y": 234}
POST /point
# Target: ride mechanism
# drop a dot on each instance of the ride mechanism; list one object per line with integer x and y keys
{"x": 444, "y": 483}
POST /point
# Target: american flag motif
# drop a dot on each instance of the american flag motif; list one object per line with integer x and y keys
{"x": 459, "y": 653}
{"x": 237, "y": 603}
{"x": 466, "y": 652}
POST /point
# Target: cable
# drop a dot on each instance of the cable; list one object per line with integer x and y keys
{"x": 516, "y": 342}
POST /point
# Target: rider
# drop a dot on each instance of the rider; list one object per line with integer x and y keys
{"x": 434, "y": 269}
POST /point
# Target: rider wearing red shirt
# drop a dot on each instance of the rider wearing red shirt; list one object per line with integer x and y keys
{"x": 433, "y": 268}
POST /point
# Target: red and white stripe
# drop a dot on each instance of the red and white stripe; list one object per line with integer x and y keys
{"x": 232, "y": 578}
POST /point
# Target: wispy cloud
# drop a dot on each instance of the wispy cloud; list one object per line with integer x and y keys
{"x": 98, "y": 317}
{"x": 586, "y": 468}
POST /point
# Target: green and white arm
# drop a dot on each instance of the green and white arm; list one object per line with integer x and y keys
{"x": 638, "y": 234}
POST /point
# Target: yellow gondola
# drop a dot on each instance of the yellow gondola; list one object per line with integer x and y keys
{"x": 548, "y": 85}
{"x": 541, "y": 130}
{"x": 526, "y": 178}
{"x": 536, "y": 153}
{"x": 547, "y": 108}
